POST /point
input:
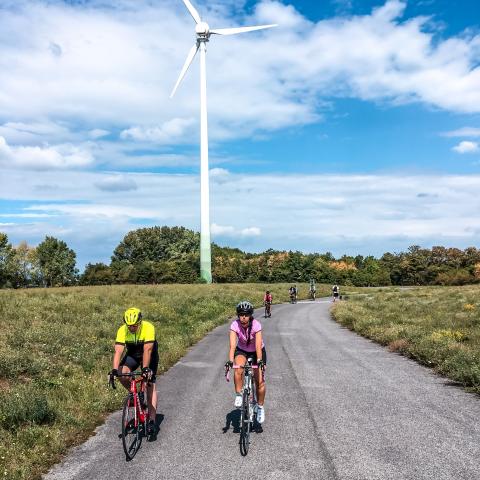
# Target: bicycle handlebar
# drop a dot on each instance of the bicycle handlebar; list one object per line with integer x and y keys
{"x": 131, "y": 375}
{"x": 227, "y": 370}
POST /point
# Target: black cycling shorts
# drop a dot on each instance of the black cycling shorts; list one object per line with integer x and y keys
{"x": 133, "y": 362}
{"x": 253, "y": 355}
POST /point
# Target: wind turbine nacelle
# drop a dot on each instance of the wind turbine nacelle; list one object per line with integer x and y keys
{"x": 202, "y": 29}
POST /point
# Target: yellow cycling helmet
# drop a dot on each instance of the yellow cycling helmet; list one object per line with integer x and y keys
{"x": 132, "y": 316}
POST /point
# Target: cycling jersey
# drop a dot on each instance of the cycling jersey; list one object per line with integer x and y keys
{"x": 134, "y": 341}
{"x": 267, "y": 298}
{"x": 242, "y": 333}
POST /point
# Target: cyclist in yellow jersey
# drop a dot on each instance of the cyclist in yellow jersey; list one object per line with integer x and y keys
{"x": 137, "y": 336}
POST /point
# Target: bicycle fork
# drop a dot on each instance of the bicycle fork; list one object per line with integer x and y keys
{"x": 252, "y": 405}
{"x": 140, "y": 414}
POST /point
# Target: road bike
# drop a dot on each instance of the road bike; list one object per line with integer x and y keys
{"x": 135, "y": 413}
{"x": 248, "y": 410}
{"x": 268, "y": 309}
{"x": 293, "y": 298}
{"x": 312, "y": 295}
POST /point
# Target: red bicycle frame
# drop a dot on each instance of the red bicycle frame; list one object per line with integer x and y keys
{"x": 141, "y": 414}
{"x": 136, "y": 399}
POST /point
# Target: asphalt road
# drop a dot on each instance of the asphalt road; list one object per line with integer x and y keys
{"x": 338, "y": 407}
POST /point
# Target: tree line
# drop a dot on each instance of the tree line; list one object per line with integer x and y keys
{"x": 172, "y": 255}
{"x": 49, "y": 264}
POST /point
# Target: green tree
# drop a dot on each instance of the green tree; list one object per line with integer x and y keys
{"x": 156, "y": 244}
{"x": 56, "y": 263}
{"x": 6, "y": 254}
{"x": 322, "y": 271}
{"x": 97, "y": 274}
{"x": 22, "y": 268}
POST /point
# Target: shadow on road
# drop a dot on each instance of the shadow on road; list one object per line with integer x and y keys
{"x": 233, "y": 419}
{"x": 158, "y": 420}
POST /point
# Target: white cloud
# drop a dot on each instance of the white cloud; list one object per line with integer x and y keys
{"x": 41, "y": 158}
{"x": 251, "y": 232}
{"x": 105, "y": 211}
{"x": 463, "y": 132}
{"x": 25, "y": 215}
{"x": 219, "y": 175}
{"x": 219, "y": 230}
{"x": 98, "y": 133}
{"x": 466, "y": 147}
{"x": 170, "y": 132}
{"x": 108, "y": 69}
{"x": 231, "y": 232}
{"x": 33, "y": 133}
{"x": 219, "y": 172}
{"x": 116, "y": 183}
{"x": 342, "y": 213}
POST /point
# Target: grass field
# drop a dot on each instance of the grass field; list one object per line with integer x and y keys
{"x": 437, "y": 326}
{"x": 56, "y": 350}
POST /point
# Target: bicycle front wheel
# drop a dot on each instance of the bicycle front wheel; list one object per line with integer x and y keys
{"x": 131, "y": 434}
{"x": 245, "y": 425}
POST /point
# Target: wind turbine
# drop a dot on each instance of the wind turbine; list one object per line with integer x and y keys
{"x": 203, "y": 33}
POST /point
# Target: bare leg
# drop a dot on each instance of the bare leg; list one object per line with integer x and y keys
{"x": 125, "y": 381}
{"x": 238, "y": 373}
{"x": 152, "y": 401}
{"x": 260, "y": 387}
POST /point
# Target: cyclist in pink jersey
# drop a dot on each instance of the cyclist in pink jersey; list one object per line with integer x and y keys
{"x": 246, "y": 342}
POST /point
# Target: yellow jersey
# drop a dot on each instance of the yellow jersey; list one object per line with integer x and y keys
{"x": 134, "y": 341}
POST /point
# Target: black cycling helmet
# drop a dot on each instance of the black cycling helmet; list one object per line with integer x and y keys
{"x": 268, "y": 292}
{"x": 245, "y": 307}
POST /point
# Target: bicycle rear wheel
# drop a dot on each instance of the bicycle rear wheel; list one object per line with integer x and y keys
{"x": 131, "y": 434}
{"x": 245, "y": 425}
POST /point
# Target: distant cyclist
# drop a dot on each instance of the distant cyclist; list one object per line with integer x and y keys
{"x": 335, "y": 292}
{"x": 246, "y": 342}
{"x": 313, "y": 290}
{"x": 137, "y": 336}
{"x": 267, "y": 301}
{"x": 292, "y": 291}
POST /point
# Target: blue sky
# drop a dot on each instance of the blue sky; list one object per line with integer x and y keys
{"x": 353, "y": 127}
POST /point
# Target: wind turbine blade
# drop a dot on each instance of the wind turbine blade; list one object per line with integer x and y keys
{"x": 233, "y": 31}
{"x": 193, "y": 11}
{"x": 188, "y": 61}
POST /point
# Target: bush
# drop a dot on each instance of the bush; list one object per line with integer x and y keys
{"x": 24, "y": 404}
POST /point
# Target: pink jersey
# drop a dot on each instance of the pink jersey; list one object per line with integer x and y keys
{"x": 241, "y": 332}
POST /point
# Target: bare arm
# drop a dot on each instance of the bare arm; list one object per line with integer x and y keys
{"x": 258, "y": 345}
{"x": 147, "y": 354}
{"x": 233, "y": 345}
{"x": 117, "y": 355}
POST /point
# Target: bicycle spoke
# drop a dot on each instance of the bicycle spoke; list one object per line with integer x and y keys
{"x": 245, "y": 425}
{"x": 131, "y": 438}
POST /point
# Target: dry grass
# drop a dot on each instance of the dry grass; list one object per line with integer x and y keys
{"x": 56, "y": 351}
{"x": 437, "y": 326}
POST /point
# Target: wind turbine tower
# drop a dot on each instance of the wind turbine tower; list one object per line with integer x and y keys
{"x": 203, "y": 33}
